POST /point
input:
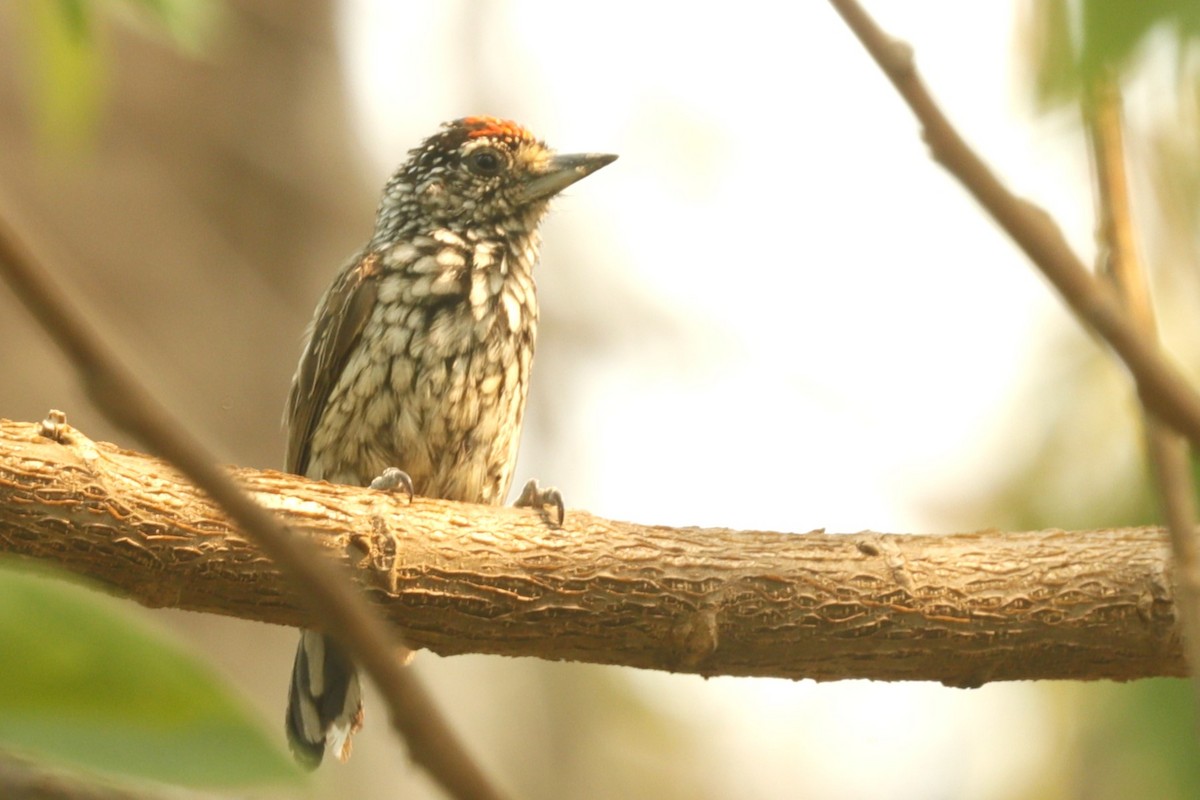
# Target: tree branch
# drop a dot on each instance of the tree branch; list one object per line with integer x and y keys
{"x": 962, "y": 609}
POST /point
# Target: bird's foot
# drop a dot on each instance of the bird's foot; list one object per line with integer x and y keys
{"x": 534, "y": 496}
{"x": 393, "y": 479}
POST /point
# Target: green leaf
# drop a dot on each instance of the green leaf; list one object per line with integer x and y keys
{"x": 1113, "y": 31}
{"x": 190, "y": 24}
{"x": 1052, "y": 52}
{"x": 1071, "y": 43}
{"x": 82, "y": 683}
{"x": 75, "y": 18}
{"x": 69, "y": 71}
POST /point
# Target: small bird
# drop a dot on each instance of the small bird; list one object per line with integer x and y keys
{"x": 417, "y": 359}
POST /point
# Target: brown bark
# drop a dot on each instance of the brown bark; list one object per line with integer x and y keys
{"x": 963, "y": 609}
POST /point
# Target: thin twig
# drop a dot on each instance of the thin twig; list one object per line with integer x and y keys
{"x": 1162, "y": 387}
{"x": 118, "y": 394}
{"x": 1118, "y": 257}
{"x": 1119, "y": 260}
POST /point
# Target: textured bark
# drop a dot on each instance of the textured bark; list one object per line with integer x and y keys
{"x": 963, "y": 609}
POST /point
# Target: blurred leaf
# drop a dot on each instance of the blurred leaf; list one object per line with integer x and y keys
{"x": 188, "y": 23}
{"x": 69, "y": 63}
{"x": 74, "y": 16}
{"x": 1070, "y": 44}
{"x": 1051, "y": 53}
{"x": 88, "y": 686}
{"x": 1112, "y": 30}
{"x": 68, "y": 71}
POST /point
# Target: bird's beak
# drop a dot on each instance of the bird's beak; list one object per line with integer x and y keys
{"x": 561, "y": 172}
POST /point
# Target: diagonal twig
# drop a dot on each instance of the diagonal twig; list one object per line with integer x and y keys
{"x": 1162, "y": 387}
{"x": 119, "y": 395}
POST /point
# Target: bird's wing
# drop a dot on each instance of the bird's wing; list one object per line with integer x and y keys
{"x": 339, "y": 323}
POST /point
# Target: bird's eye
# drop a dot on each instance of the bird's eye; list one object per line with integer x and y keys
{"x": 485, "y": 161}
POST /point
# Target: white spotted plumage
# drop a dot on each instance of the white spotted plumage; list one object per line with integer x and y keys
{"x": 420, "y": 352}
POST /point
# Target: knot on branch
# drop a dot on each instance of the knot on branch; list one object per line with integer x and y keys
{"x": 694, "y": 637}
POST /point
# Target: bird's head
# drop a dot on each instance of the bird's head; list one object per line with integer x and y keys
{"x": 483, "y": 171}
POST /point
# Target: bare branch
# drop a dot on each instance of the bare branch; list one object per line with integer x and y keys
{"x": 455, "y": 578}
{"x": 1120, "y": 260}
{"x": 334, "y": 603}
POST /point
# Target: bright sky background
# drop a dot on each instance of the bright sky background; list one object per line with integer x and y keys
{"x": 835, "y": 332}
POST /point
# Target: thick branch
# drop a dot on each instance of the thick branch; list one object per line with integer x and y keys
{"x": 963, "y": 609}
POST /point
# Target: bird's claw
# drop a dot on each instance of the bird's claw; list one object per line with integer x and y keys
{"x": 534, "y": 496}
{"x": 393, "y": 479}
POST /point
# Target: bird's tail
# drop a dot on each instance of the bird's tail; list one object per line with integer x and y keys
{"x": 324, "y": 700}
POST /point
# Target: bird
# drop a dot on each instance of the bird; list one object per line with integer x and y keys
{"x": 417, "y": 360}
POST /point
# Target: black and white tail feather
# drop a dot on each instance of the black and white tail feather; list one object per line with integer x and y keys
{"x": 324, "y": 700}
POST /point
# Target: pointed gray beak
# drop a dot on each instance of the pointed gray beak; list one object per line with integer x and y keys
{"x": 562, "y": 171}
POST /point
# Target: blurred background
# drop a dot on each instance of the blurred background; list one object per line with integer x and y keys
{"x": 773, "y": 312}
